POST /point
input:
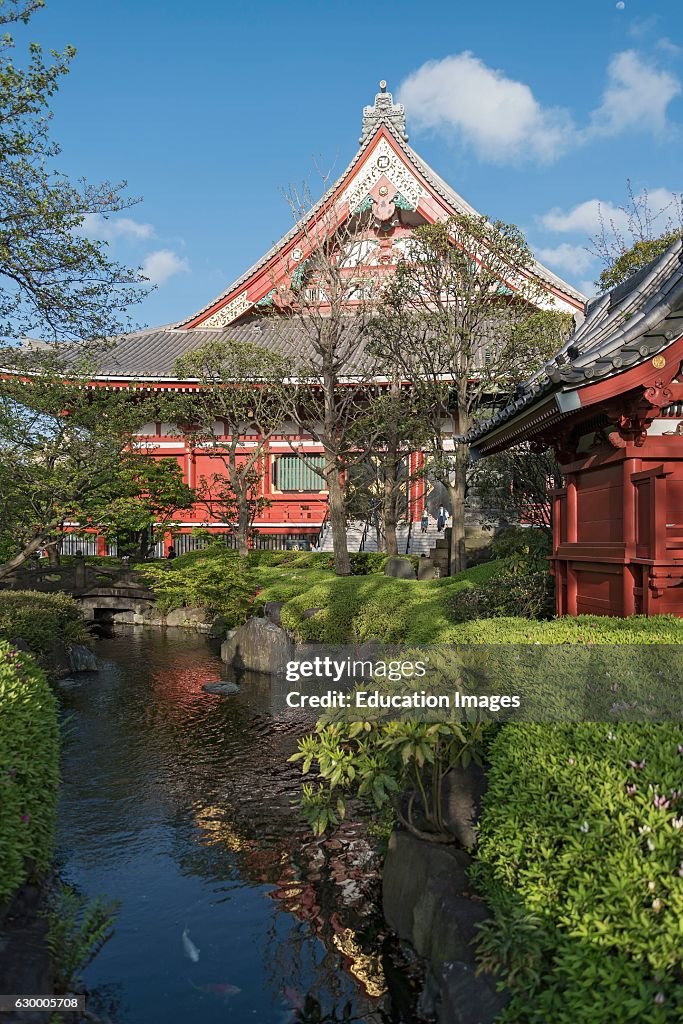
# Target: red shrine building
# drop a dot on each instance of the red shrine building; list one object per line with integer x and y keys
{"x": 611, "y": 406}
{"x": 392, "y": 188}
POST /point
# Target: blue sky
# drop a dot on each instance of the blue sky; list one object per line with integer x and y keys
{"x": 533, "y": 111}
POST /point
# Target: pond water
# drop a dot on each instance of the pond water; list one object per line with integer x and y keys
{"x": 179, "y": 805}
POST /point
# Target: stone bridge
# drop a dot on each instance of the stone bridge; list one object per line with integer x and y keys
{"x": 100, "y": 591}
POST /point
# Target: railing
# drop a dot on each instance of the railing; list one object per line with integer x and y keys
{"x": 71, "y": 543}
{"x": 409, "y": 537}
{"x": 321, "y": 532}
{"x": 281, "y": 541}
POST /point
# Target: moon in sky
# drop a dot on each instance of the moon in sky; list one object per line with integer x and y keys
{"x": 621, "y": 5}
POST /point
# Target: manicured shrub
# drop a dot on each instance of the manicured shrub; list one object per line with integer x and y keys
{"x": 581, "y": 860}
{"x": 292, "y": 559}
{"x": 530, "y": 595}
{"x": 377, "y": 760}
{"x": 519, "y": 545}
{"x": 374, "y": 607}
{"x": 214, "y": 577}
{"x": 40, "y": 619}
{"x": 29, "y": 769}
{"x": 582, "y": 629}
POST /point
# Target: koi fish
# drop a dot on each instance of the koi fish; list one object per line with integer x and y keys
{"x": 218, "y": 989}
{"x": 191, "y": 950}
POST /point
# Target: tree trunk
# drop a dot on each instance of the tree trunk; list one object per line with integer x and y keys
{"x": 456, "y": 492}
{"x": 243, "y": 524}
{"x": 389, "y": 508}
{"x": 53, "y": 553}
{"x": 8, "y": 567}
{"x": 337, "y": 505}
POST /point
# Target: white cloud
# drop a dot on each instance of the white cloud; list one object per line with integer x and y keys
{"x": 95, "y": 225}
{"x": 573, "y": 259}
{"x": 498, "y": 116}
{"x": 667, "y": 46}
{"x": 504, "y": 122}
{"x": 637, "y": 96}
{"x": 162, "y": 264}
{"x": 586, "y": 217}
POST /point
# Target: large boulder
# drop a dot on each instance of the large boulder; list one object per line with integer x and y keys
{"x": 411, "y": 864}
{"x": 190, "y": 618}
{"x": 259, "y": 645}
{"x": 56, "y": 658}
{"x": 272, "y": 610}
{"x": 425, "y": 569}
{"x": 82, "y": 659}
{"x": 401, "y": 568}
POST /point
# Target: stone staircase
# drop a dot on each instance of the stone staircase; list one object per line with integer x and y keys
{"x": 420, "y": 543}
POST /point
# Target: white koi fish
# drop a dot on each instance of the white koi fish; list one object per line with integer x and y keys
{"x": 191, "y": 950}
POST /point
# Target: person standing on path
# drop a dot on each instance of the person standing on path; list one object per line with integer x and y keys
{"x": 442, "y": 518}
{"x": 424, "y": 521}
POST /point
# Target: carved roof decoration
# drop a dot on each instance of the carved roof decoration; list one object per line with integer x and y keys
{"x": 383, "y": 111}
{"x": 626, "y": 327}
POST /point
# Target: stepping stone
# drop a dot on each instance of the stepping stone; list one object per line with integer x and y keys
{"x": 224, "y": 689}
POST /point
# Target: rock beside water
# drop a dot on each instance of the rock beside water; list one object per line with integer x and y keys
{"x": 258, "y": 645}
{"x": 223, "y": 689}
{"x": 82, "y": 659}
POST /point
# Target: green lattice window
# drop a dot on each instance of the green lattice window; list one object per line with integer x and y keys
{"x": 292, "y": 473}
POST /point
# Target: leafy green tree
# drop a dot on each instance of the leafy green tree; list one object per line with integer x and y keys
{"x": 53, "y": 280}
{"x": 515, "y": 486}
{"x": 329, "y": 301}
{"x": 67, "y": 456}
{"x": 61, "y": 446}
{"x": 460, "y": 321}
{"x": 243, "y": 392}
{"x": 146, "y": 495}
{"x": 379, "y": 486}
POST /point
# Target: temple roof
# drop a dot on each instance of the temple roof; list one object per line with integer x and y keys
{"x": 384, "y": 156}
{"x": 384, "y": 118}
{"x": 151, "y": 355}
{"x": 623, "y": 328}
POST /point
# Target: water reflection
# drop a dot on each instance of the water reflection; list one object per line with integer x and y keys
{"x": 179, "y": 804}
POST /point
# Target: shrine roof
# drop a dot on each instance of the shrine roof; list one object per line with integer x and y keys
{"x": 622, "y": 329}
{"x": 151, "y": 355}
{"x": 383, "y": 118}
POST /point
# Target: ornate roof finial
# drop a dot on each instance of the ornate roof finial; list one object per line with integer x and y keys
{"x": 384, "y": 111}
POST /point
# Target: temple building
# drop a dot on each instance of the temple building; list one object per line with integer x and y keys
{"x": 611, "y": 406}
{"x": 394, "y": 190}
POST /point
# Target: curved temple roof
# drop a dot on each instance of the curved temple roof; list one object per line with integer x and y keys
{"x": 623, "y": 328}
{"x": 383, "y": 144}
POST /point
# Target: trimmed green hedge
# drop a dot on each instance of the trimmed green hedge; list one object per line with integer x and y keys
{"x": 581, "y": 860}
{"x": 584, "y": 629}
{"x": 40, "y": 619}
{"x": 29, "y": 769}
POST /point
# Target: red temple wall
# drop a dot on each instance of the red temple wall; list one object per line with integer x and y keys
{"x": 301, "y": 512}
{"x": 618, "y": 531}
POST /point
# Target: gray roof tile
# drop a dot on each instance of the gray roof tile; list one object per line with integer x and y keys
{"x": 622, "y": 328}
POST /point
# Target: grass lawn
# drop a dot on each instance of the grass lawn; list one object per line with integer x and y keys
{"x": 363, "y": 607}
